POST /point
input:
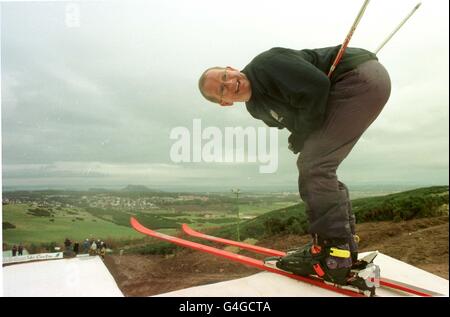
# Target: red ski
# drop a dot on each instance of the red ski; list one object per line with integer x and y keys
{"x": 346, "y": 290}
{"x": 384, "y": 282}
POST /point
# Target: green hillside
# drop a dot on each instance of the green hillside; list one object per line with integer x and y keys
{"x": 52, "y": 225}
{"x": 123, "y": 218}
{"x": 418, "y": 203}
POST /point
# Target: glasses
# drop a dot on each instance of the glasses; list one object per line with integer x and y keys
{"x": 222, "y": 85}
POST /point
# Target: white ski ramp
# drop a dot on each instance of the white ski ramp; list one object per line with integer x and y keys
{"x": 82, "y": 276}
{"x": 266, "y": 284}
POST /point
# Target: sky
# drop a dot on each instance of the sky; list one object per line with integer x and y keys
{"x": 90, "y": 91}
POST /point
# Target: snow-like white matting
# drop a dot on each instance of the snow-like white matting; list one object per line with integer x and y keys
{"x": 88, "y": 276}
{"x": 268, "y": 284}
{"x": 81, "y": 276}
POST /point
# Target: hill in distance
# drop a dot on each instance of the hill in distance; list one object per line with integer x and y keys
{"x": 137, "y": 188}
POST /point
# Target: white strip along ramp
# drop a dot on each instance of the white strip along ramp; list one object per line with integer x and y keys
{"x": 267, "y": 284}
{"x": 77, "y": 277}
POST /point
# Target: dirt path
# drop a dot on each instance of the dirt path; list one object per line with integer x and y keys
{"x": 421, "y": 242}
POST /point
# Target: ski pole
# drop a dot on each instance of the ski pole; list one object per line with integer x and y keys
{"x": 397, "y": 28}
{"x": 347, "y": 39}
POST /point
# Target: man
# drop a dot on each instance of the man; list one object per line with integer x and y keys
{"x": 76, "y": 247}
{"x": 67, "y": 243}
{"x": 290, "y": 89}
{"x": 93, "y": 249}
{"x": 68, "y": 252}
{"x": 103, "y": 250}
{"x": 86, "y": 246}
{"x": 20, "y": 249}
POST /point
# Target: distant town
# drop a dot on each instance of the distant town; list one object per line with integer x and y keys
{"x": 132, "y": 198}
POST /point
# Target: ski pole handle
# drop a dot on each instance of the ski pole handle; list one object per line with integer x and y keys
{"x": 347, "y": 39}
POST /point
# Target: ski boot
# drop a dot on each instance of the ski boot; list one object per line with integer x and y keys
{"x": 328, "y": 260}
{"x": 331, "y": 260}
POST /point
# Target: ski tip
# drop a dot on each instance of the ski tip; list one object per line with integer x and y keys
{"x": 188, "y": 230}
{"x": 418, "y": 5}
{"x": 134, "y": 223}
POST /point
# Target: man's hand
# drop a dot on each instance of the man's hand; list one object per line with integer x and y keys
{"x": 291, "y": 148}
{"x": 295, "y": 143}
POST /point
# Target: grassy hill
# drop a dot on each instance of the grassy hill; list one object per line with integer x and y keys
{"x": 52, "y": 225}
{"x": 418, "y": 203}
{"x": 123, "y": 218}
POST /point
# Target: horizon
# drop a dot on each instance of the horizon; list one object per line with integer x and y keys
{"x": 376, "y": 187}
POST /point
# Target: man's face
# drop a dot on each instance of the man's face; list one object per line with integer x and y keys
{"x": 227, "y": 85}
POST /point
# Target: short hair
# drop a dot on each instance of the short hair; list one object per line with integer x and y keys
{"x": 201, "y": 83}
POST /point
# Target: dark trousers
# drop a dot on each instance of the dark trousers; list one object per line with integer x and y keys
{"x": 355, "y": 101}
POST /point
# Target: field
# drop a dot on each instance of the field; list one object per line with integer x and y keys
{"x": 73, "y": 223}
{"x": 53, "y": 216}
{"x": 29, "y": 224}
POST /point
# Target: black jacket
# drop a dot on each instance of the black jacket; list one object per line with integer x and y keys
{"x": 290, "y": 87}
